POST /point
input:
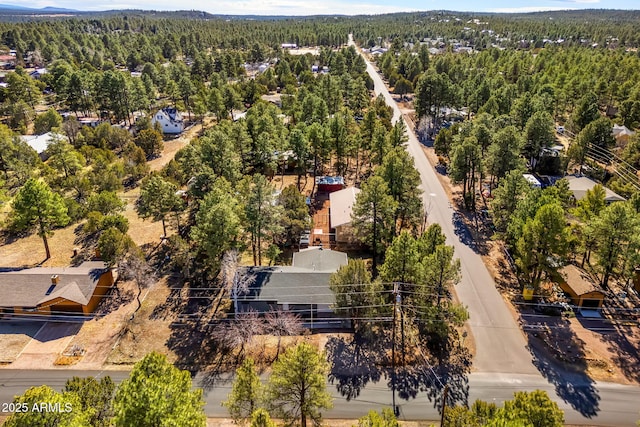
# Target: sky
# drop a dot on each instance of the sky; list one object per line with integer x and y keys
{"x": 346, "y": 7}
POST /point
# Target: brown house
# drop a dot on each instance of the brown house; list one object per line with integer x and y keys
{"x": 584, "y": 291}
{"x": 55, "y": 290}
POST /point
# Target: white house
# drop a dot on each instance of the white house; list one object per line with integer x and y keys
{"x": 170, "y": 121}
{"x": 532, "y": 180}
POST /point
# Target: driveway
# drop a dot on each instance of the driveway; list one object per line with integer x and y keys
{"x": 14, "y": 336}
{"x": 46, "y": 345}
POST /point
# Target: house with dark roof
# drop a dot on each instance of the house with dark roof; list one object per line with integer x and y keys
{"x": 55, "y": 290}
{"x": 301, "y": 288}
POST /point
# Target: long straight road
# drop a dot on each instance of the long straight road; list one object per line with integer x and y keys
{"x": 502, "y": 359}
{"x": 500, "y": 344}
{"x": 619, "y": 406}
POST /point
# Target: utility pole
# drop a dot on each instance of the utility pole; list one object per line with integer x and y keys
{"x": 444, "y": 403}
{"x": 396, "y": 300}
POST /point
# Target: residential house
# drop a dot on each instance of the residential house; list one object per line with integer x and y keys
{"x": 580, "y": 286}
{"x": 40, "y": 142}
{"x": 38, "y": 73}
{"x": 301, "y": 288}
{"x": 55, "y": 290}
{"x": 622, "y": 134}
{"x": 579, "y": 185}
{"x": 170, "y": 121}
{"x": 92, "y": 122}
{"x": 7, "y": 62}
{"x": 340, "y": 210}
{"x": 329, "y": 183}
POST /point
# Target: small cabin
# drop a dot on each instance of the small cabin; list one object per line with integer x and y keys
{"x": 581, "y": 287}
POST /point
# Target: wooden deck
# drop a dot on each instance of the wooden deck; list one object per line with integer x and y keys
{"x": 321, "y": 228}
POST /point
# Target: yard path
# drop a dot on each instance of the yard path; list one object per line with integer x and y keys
{"x": 172, "y": 146}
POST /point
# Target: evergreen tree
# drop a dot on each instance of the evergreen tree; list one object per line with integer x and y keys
{"x": 403, "y": 181}
{"x": 373, "y": 216}
{"x": 157, "y": 393}
{"x": 297, "y": 386}
{"x": 36, "y": 206}
{"x": 246, "y": 392}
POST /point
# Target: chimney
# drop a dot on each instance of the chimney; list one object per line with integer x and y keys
{"x": 55, "y": 279}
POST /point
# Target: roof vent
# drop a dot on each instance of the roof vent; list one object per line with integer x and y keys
{"x": 55, "y": 279}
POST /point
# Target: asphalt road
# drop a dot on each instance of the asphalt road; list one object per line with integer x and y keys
{"x": 620, "y": 408}
{"x": 503, "y": 361}
{"x": 500, "y": 344}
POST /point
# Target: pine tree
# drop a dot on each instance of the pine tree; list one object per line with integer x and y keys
{"x": 157, "y": 393}
{"x": 246, "y": 392}
{"x": 373, "y": 216}
{"x": 297, "y": 386}
{"x": 36, "y": 206}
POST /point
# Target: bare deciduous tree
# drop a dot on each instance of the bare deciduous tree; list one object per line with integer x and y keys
{"x": 239, "y": 332}
{"x": 135, "y": 267}
{"x": 234, "y": 280}
{"x": 283, "y": 323}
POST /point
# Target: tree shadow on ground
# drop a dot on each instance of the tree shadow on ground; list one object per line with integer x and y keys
{"x": 560, "y": 357}
{"x": 472, "y": 231}
{"x": 624, "y": 344}
{"x": 114, "y": 299}
{"x": 356, "y": 361}
{"x": 199, "y": 352}
{"x": 175, "y": 301}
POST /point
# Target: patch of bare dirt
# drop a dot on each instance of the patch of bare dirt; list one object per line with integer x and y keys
{"x": 29, "y": 251}
{"x": 134, "y": 338}
{"x": 172, "y": 146}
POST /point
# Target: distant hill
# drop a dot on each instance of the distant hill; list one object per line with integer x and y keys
{"x": 9, "y": 8}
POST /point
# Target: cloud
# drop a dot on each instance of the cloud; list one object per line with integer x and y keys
{"x": 578, "y": 1}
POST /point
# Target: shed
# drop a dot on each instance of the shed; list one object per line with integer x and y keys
{"x": 583, "y": 290}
